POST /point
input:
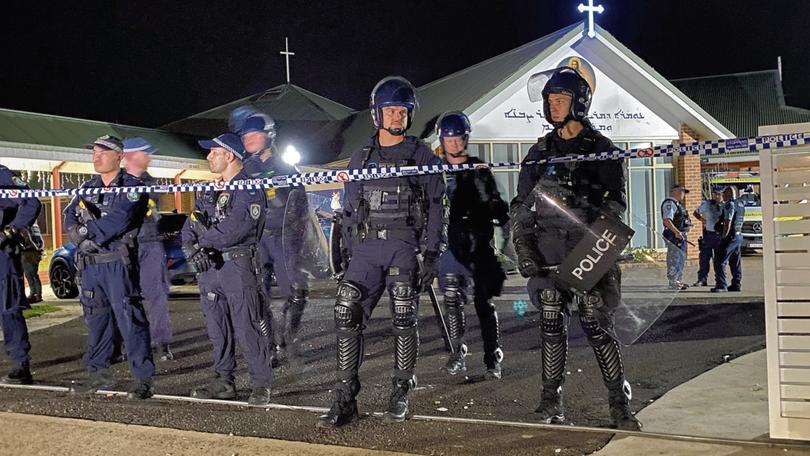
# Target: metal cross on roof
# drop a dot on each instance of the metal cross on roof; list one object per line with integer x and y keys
{"x": 286, "y": 53}
{"x": 590, "y": 9}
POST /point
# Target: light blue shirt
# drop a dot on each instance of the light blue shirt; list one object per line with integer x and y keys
{"x": 711, "y": 211}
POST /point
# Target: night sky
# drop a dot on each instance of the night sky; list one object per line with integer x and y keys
{"x": 131, "y": 63}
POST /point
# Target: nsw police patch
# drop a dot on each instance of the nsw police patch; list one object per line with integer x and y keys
{"x": 17, "y": 181}
{"x": 133, "y": 197}
{"x": 223, "y": 199}
{"x": 255, "y": 211}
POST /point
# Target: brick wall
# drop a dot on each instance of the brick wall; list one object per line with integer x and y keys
{"x": 687, "y": 172}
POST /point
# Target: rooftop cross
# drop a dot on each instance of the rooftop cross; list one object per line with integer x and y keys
{"x": 286, "y": 53}
{"x": 590, "y": 9}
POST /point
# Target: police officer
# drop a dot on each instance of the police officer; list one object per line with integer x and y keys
{"x": 676, "y": 226}
{"x": 33, "y": 249}
{"x": 729, "y": 249}
{"x": 258, "y": 134}
{"x": 18, "y": 216}
{"x": 708, "y": 213}
{"x": 104, "y": 226}
{"x": 219, "y": 240}
{"x": 151, "y": 253}
{"x": 469, "y": 263}
{"x": 385, "y": 220}
{"x": 545, "y": 236}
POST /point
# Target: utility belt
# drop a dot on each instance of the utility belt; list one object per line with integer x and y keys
{"x": 234, "y": 253}
{"x": 84, "y": 259}
{"x": 376, "y": 232}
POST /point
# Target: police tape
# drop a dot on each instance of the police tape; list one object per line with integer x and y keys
{"x": 711, "y": 147}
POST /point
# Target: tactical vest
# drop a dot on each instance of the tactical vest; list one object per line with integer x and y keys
{"x": 561, "y": 183}
{"x": 739, "y": 215}
{"x": 681, "y": 218}
{"x": 390, "y": 204}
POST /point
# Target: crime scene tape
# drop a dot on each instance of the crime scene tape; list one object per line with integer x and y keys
{"x": 711, "y": 147}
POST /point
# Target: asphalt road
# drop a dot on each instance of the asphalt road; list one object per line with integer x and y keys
{"x": 687, "y": 341}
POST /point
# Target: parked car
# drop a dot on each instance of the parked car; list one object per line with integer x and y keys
{"x": 62, "y": 270}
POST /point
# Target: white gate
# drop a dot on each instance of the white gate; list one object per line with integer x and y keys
{"x": 785, "y": 177}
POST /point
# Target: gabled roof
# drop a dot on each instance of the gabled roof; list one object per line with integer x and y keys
{"x": 58, "y": 131}
{"x": 743, "y": 101}
{"x": 471, "y": 88}
{"x": 298, "y": 114}
{"x": 457, "y": 91}
{"x": 284, "y": 103}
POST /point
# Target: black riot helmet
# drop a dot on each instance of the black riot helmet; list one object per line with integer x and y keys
{"x": 563, "y": 80}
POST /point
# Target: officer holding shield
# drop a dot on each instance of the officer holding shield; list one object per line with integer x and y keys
{"x": 555, "y": 204}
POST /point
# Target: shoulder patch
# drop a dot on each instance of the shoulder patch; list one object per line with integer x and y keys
{"x": 255, "y": 211}
{"x": 18, "y": 181}
{"x": 223, "y": 199}
{"x": 133, "y": 197}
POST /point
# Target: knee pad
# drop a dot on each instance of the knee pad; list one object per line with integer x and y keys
{"x": 348, "y": 313}
{"x": 404, "y": 302}
{"x": 453, "y": 296}
{"x": 588, "y": 305}
{"x": 553, "y": 321}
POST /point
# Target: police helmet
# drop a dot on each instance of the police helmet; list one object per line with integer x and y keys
{"x": 393, "y": 91}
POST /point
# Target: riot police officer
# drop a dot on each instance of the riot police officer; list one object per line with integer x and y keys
{"x": 729, "y": 250}
{"x": 258, "y": 134}
{"x": 219, "y": 240}
{"x": 676, "y": 228}
{"x": 469, "y": 262}
{"x": 151, "y": 253}
{"x": 18, "y": 216}
{"x": 567, "y": 197}
{"x": 385, "y": 220}
{"x": 104, "y": 227}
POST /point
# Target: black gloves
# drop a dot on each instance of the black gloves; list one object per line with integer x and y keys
{"x": 429, "y": 269}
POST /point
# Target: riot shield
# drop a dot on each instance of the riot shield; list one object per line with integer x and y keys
{"x": 303, "y": 241}
{"x": 587, "y": 255}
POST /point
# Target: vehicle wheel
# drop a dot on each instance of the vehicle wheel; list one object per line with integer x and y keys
{"x": 63, "y": 281}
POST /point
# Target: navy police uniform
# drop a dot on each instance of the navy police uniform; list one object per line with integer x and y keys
{"x": 18, "y": 215}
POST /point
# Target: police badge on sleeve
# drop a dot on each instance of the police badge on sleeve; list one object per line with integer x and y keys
{"x": 133, "y": 197}
{"x": 255, "y": 211}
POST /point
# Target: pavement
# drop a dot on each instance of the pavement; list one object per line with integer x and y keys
{"x": 680, "y": 371}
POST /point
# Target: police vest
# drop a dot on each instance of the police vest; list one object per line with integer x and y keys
{"x": 563, "y": 182}
{"x": 681, "y": 218}
{"x": 391, "y": 204}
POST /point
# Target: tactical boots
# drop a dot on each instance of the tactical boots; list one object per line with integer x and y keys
{"x": 620, "y": 415}
{"x": 398, "y": 403}
{"x": 20, "y": 375}
{"x": 259, "y": 396}
{"x": 218, "y": 388}
{"x": 98, "y": 380}
{"x": 344, "y": 408}
{"x": 456, "y": 365}
{"x": 140, "y": 390}
{"x": 550, "y": 409}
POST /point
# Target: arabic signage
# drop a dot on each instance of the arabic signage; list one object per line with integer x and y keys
{"x": 614, "y": 112}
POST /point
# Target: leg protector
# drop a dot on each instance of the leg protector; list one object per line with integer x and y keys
{"x": 349, "y": 329}
{"x": 454, "y": 301}
{"x": 555, "y": 339}
{"x": 404, "y": 302}
{"x": 607, "y": 350}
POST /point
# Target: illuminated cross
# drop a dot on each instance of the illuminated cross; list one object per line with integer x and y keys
{"x": 590, "y": 9}
{"x": 286, "y": 53}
